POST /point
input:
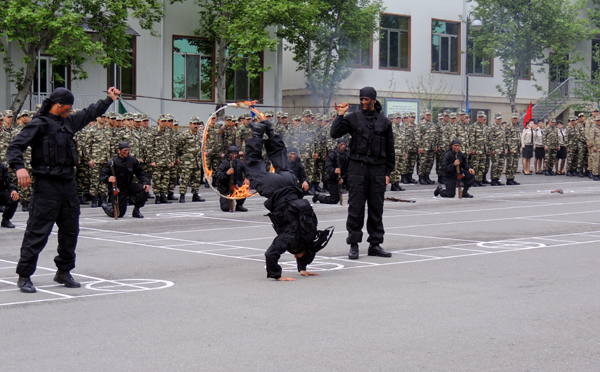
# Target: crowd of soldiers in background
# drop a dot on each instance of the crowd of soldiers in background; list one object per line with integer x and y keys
{"x": 171, "y": 158}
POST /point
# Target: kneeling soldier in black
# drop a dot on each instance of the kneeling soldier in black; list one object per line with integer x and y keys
{"x": 8, "y": 196}
{"x": 336, "y": 167}
{"x": 296, "y": 167}
{"x": 450, "y": 160}
{"x": 293, "y": 218}
{"x": 125, "y": 167}
{"x": 231, "y": 165}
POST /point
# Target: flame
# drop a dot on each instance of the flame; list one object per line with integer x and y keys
{"x": 272, "y": 169}
{"x": 246, "y": 104}
{"x": 241, "y": 192}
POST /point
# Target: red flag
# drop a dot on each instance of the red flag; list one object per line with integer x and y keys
{"x": 528, "y": 115}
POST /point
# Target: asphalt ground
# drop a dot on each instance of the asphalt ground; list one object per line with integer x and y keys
{"x": 506, "y": 281}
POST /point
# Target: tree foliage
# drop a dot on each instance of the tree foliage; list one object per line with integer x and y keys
{"x": 431, "y": 90}
{"x": 523, "y": 31}
{"x": 325, "y": 37}
{"x": 57, "y": 28}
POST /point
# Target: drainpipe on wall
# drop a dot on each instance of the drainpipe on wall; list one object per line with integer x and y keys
{"x": 162, "y": 58}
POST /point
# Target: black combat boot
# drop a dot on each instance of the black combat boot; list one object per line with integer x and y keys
{"x": 7, "y": 224}
{"x": 476, "y": 184}
{"x": 82, "y": 200}
{"x": 438, "y": 190}
{"x": 64, "y": 277}
{"x": 315, "y": 197}
{"x": 429, "y": 181}
{"x": 311, "y": 190}
{"x": 580, "y": 174}
{"x": 422, "y": 181}
{"x": 25, "y": 285}
{"x": 171, "y": 196}
{"x": 410, "y": 179}
{"x": 94, "y": 202}
{"x": 182, "y": 198}
{"x": 25, "y": 206}
{"x": 465, "y": 194}
{"x": 316, "y": 187}
{"x": 485, "y": 181}
{"x": 404, "y": 180}
{"x": 164, "y": 200}
{"x": 596, "y": 178}
{"x": 136, "y": 213}
{"x": 494, "y": 182}
{"x": 395, "y": 187}
{"x": 240, "y": 208}
{"x": 197, "y": 198}
{"x": 376, "y": 250}
{"x": 353, "y": 254}
{"x": 569, "y": 174}
{"x": 157, "y": 201}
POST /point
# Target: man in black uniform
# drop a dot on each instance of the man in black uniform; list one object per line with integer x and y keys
{"x": 296, "y": 167}
{"x": 54, "y": 198}
{"x": 336, "y": 167}
{"x": 451, "y": 159}
{"x": 293, "y": 218}
{"x": 8, "y": 197}
{"x": 371, "y": 162}
{"x": 231, "y": 165}
{"x": 125, "y": 167}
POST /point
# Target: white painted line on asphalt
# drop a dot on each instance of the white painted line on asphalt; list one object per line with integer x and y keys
{"x": 41, "y": 290}
{"x": 433, "y": 237}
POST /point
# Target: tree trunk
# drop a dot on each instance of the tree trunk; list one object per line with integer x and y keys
{"x": 220, "y": 87}
{"x": 17, "y": 104}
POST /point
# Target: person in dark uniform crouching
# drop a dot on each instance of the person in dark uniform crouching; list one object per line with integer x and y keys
{"x": 452, "y": 158}
{"x": 231, "y": 165}
{"x": 293, "y": 218}
{"x": 296, "y": 166}
{"x": 54, "y": 197}
{"x": 336, "y": 167}
{"x": 8, "y": 197}
{"x": 371, "y": 160}
{"x": 125, "y": 167}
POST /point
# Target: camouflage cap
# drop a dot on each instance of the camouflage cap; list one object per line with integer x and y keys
{"x": 297, "y": 117}
{"x": 138, "y": 117}
{"x": 194, "y": 119}
{"x": 127, "y": 116}
{"x": 320, "y": 117}
{"x": 446, "y": 113}
{"x": 498, "y": 115}
{"x": 333, "y": 113}
{"x": 228, "y": 117}
{"x": 307, "y": 113}
{"x": 552, "y": 119}
{"x": 8, "y": 113}
{"x": 572, "y": 118}
{"x": 113, "y": 115}
{"x": 462, "y": 112}
{"x": 247, "y": 116}
{"x": 119, "y": 117}
{"x": 23, "y": 113}
{"x": 241, "y": 117}
{"x": 427, "y": 112}
{"x": 175, "y": 122}
{"x": 269, "y": 113}
{"x": 453, "y": 115}
{"x": 440, "y": 115}
{"x": 279, "y": 113}
{"x": 144, "y": 117}
{"x": 581, "y": 114}
{"x": 284, "y": 115}
{"x": 170, "y": 117}
{"x": 405, "y": 115}
{"x": 37, "y": 107}
{"x": 597, "y": 118}
{"x": 413, "y": 114}
{"x": 162, "y": 117}
{"x": 391, "y": 116}
{"x": 481, "y": 114}
{"x": 595, "y": 109}
{"x": 397, "y": 115}
{"x": 515, "y": 115}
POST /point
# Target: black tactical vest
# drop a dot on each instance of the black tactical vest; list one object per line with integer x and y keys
{"x": 370, "y": 137}
{"x": 57, "y": 147}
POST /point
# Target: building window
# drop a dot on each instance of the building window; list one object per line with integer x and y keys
{"x": 192, "y": 68}
{"x": 445, "y": 47}
{"x": 394, "y": 43}
{"x": 51, "y": 76}
{"x": 477, "y": 65}
{"x": 525, "y": 70}
{"x": 240, "y": 86}
{"x": 123, "y": 78}
{"x": 363, "y": 57}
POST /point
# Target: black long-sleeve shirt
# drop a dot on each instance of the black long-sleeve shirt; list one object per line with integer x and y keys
{"x": 448, "y": 167}
{"x": 239, "y": 172}
{"x": 335, "y": 159}
{"x": 350, "y": 123}
{"x": 6, "y": 182}
{"x": 32, "y": 135}
{"x": 125, "y": 169}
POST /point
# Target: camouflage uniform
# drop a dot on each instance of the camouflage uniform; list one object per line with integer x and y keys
{"x": 321, "y": 150}
{"x": 428, "y": 133}
{"x": 594, "y": 140}
{"x": 173, "y": 171}
{"x": 497, "y": 150}
{"x": 572, "y": 143}
{"x": 411, "y": 140}
{"x": 306, "y": 136}
{"x": 212, "y": 149}
{"x": 163, "y": 157}
{"x": 189, "y": 152}
{"x": 244, "y": 131}
{"x": 477, "y": 160}
{"x": 100, "y": 147}
{"x": 582, "y": 151}
{"x": 83, "y": 173}
{"x": 397, "y": 129}
{"x": 551, "y": 145}
{"x": 513, "y": 140}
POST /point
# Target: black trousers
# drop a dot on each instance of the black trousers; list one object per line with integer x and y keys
{"x": 139, "y": 195}
{"x": 334, "y": 193}
{"x": 367, "y": 185}
{"x": 9, "y": 204}
{"x": 53, "y": 201}
{"x": 225, "y": 203}
{"x": 451, "y": 182}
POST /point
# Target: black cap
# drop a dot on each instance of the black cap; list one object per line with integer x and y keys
{"x": 62, "y": 96}
{"x": 232, "y": 149}
{"x": 123, "y": 145}
{"x": 292, "y": 149}
{"x": 368, "y": 92}
{"x": 341, "y": 140}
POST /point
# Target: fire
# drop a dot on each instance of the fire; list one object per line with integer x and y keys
{"x": 208, "y": 173}
{"x": 241, "y": 192}
{"x": 272, "y": 169}
{"x": 245, "y": 104}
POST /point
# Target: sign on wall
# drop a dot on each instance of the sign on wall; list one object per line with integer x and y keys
{"x": 401, "y": 105}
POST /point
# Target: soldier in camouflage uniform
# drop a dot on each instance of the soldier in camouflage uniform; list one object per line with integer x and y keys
{"x": 396, "y": 172}
{"x": 572, "y": 143}
{"x": 99, "y": 145}
{"x": 306, "y": 136}
{"x": 244, "y": 131}
{"x": 321, "y": 151}
{"x": 513, "y": 140}
{"x": 282, "y": 127}
{"x": 478, "y": 150}
{"x": 163, "y": 159}
{"x": 6, "y": 135}
{"x": 83, "y": 171}
{"x": 428, "y": 134}
{"x": 590, "y": 126}
{"x": 212, "y": 149}
{"x": 174, "y": 170}
{"x": 24, "y": 193}
{"x": 582, "y": 149}
{"x": 551, "y": 146}
{"x": 410, "y": 141}
{"x": 497, "y": 149}
{"x": 190, "y": 159}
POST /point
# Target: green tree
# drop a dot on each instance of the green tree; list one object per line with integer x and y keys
{"x": 520, "y": 32}
{"x": 57, "y": 28}
{"x": 325, "y": 37}
{"x": 240, "y": 30}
